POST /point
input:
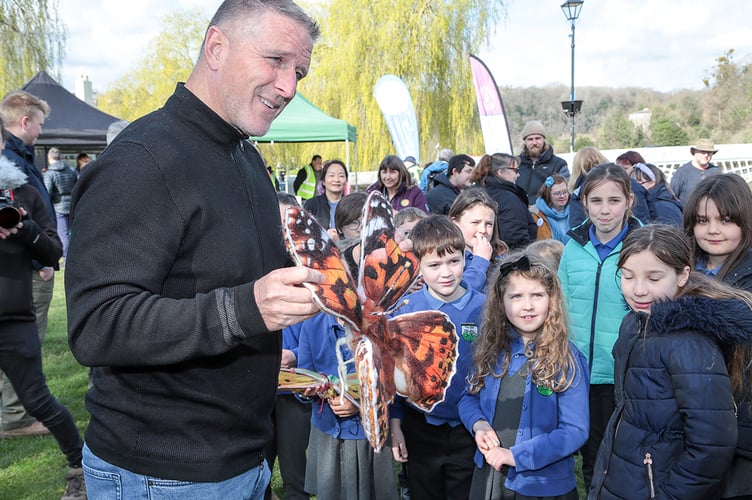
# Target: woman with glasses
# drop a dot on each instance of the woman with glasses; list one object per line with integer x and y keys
{"x": 551, "y": 211}
{"x": 664, "y": 206}
{"x": 334, "y": 180}
{"x": 497, "y": 173}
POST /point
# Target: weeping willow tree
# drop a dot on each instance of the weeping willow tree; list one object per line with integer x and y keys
{"x": 425, "y": 43}
{"x": 32, "y": 37}
{"x": 147, "y": 86}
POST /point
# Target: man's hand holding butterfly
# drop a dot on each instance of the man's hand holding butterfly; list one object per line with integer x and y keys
{"x": 281, "y": 298}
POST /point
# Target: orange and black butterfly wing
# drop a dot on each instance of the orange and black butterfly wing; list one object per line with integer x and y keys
{"x": 386, "y": 272}
{"x": 424, "y": 348}
{"x": 310, "y": 246}
{"x": 373, "y": 400}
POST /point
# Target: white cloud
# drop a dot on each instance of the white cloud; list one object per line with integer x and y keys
{"x": 664, "y": 45}
{"x": 660, "y": 44}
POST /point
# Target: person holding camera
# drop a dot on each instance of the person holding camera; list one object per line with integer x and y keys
{"x": 27, "y": 232}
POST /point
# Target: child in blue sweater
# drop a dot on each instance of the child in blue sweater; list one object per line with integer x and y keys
{"x": 341, "y": 463}
{"x": 437, "y": 448}
{"x": 527, "y": 395}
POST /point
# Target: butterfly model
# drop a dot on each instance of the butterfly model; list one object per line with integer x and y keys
{"x": 412, "y": 355}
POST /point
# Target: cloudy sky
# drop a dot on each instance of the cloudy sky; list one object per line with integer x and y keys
{"x": 659, "y": 44}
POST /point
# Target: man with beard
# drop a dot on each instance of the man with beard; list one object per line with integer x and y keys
{"x": 687, "y": 176}
{"x": 537, "y": 160}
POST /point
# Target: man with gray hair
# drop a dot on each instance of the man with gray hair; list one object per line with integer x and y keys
{"x": 178, "y": 290}
{"x": 59, "y": 180}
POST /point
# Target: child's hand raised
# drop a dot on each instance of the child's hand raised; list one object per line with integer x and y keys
{"x": 342, "y": 407}
{"x": 499, "y": 457}
{"x": 482, "y": 247}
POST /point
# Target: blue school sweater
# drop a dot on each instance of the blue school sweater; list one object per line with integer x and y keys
{"x": 465, "y": 313}
{"x": 317, "y": 352}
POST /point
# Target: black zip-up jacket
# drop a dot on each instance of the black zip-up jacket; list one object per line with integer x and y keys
{"x": 443, "y": 194}
{"x": 37, "y": 239}
{"x": 516, "y": 226}
{"x": 171, "y": 226}
{"x": 533, "y": 173}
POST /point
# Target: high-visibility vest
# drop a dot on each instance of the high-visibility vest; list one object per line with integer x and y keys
{"x": 307, "y": 190}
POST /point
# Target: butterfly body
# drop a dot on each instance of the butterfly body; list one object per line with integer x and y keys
{"x": 413, "y": 354}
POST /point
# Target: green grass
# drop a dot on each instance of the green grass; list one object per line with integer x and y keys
{"x": 33, "y": 468}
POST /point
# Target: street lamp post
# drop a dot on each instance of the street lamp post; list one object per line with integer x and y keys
{"x": 571, "y": 107}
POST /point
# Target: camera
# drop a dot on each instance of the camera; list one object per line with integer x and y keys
{"x": 10, "y": 216}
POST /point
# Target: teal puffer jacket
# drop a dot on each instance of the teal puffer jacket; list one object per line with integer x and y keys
{"x": 593, "y": 300}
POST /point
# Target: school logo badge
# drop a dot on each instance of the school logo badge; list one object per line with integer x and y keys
{"x": 469, "y": 331}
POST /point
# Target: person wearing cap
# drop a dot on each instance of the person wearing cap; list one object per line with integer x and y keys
{"x": 413, "y": 168}
{"x": 690, "y": 174}
{"x": 537, "y": 160}
{"x": 448, "y": 186}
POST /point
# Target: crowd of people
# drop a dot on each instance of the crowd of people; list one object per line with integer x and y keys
{"x": 604, "y": 312}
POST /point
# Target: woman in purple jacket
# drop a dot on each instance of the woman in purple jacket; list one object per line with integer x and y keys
{"x": 396, "y": 185}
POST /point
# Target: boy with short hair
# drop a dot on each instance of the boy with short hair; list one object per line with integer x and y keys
{"x": 436, "y": 446}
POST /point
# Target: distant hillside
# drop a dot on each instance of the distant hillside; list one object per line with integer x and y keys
{"x": 675, "y": 118}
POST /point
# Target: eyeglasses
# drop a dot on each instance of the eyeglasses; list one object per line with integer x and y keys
{"x": 354, "y": 225}
{"x": 514, "y": 169}
{"x": 559, "y": 194}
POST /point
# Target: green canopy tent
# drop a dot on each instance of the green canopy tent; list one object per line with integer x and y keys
{"x": 301, "y": 121}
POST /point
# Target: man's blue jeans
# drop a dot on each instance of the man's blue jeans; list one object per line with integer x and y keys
{"x": 107, "y": 481}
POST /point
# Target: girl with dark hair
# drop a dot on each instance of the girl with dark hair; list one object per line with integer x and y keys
{"x": 474, "y": 211}
{"x": 719, "y": 226}
{"x": 497, "y": 173}
{"x": 334, "y": 180}
{"x": 588, "y": 277}
{"x": 396, "y": 184}
{"x": 674, "y": 430}
{"x": 664, "y": 206}
{"x": 526, "y": 427}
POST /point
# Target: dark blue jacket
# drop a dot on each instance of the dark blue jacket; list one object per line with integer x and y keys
{"x": 673, "y": 402}
{"x": 23, "y": 156}
{"x": 664, "y": 207}
{"x": 441, "y": 197}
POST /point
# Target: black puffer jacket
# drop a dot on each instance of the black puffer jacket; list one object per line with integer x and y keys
{"x": 516, "y": 226}
{"x": 673, "y": 431}
{"x": 534, "y": 172}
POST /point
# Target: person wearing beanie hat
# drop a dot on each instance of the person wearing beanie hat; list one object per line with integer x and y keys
{"x": 687, "y": 176}
{"x": 533, "y": 127}
{"x": 537, "y": 161}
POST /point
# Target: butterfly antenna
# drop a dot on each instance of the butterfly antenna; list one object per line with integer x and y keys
{"x": 388, "y": 291}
